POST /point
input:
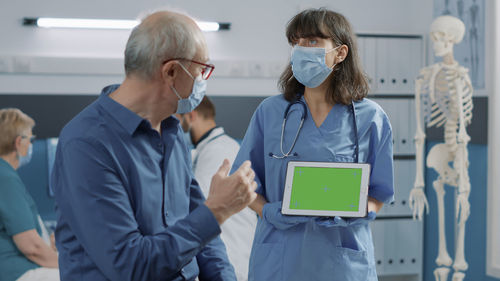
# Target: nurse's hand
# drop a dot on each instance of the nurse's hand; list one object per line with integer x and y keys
{"x": 345, "y": 222}
{"x": 230, "y": 194}
{"x": 271, "y": 212}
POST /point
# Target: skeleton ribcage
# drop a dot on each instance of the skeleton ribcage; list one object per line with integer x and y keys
{"x": 442, "y": 107}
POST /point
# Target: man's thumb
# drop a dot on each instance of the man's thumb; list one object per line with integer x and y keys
{"x": 224, "y": 168}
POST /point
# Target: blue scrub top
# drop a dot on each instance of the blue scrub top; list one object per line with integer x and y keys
{"x": 127, "y": 204}
{"x": 310, "y": 251}
{"x": 18, "y": 213}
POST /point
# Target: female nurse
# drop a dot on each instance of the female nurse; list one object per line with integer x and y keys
{"x": 328, "y": 119}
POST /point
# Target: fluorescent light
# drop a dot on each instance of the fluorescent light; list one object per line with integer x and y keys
{"x": 107, "y": 23}
{"x": 86, "y": 23}
{"x": 208, "y": 26}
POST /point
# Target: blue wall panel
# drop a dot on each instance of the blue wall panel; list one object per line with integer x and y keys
{"x": 475, "y": 235}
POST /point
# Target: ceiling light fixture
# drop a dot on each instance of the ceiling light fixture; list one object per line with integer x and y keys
{"x": 107, "y": 23}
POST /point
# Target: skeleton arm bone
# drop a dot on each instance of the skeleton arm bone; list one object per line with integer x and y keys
{"x": 418, "y": 201}
{"x": 462, "y": 157}
{"x": 462, "y": 208}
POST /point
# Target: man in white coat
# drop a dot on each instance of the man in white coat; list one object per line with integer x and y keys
{"x": 211, "y": 146}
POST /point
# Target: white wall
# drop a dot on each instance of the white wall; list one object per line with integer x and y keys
{"x": 28, "y": 56}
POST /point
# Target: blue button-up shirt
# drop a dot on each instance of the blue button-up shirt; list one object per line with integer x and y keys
{"x": 128, "y": 207}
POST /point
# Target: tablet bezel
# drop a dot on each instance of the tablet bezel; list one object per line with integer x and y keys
{"x": 363, "y": 198}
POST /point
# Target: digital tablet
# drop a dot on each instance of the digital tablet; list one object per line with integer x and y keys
{"x": 326, "y": 189}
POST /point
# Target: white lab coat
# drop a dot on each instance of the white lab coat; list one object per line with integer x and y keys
{"x": 238, "y": 230}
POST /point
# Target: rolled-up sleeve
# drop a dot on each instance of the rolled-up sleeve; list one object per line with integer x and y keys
{"x": 98, "y": 210}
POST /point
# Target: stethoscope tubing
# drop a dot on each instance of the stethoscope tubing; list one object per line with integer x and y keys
{"x": 304, "y": 115}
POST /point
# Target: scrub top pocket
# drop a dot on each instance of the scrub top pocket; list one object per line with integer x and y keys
{"x": 337, "y": 264}
{"x": 349, "y": 265}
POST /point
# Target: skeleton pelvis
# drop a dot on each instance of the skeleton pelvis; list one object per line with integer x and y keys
{"x": 439, "y": 159}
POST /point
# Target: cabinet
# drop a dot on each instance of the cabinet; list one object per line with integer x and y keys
{"x": 397, "y": 246}
{"x": 404, "y": 171}
{"x": 401, "y": 113}
{"x": 392, "y": 63}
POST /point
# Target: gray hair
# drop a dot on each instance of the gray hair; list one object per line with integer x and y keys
{"x": 159, "y": 37}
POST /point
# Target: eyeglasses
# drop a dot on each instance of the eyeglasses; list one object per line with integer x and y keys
{"x": 205, "y": 72}
{"x": 31, "y": 139}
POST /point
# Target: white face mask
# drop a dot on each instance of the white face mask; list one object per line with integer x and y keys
{"x": 190, "y": 103}
{"x": 23, "y": 160}
{"x": 309, "y": 65}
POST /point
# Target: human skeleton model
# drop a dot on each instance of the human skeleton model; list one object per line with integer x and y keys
{"x": 445, "y": 92}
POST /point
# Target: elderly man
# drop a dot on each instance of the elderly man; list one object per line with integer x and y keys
{"x": 128, "y": 206}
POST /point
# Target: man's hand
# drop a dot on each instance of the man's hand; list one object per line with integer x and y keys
{"x": 230, "y": 194}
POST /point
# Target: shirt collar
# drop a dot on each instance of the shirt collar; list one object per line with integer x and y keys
{"x": 126, "y": 118}
{"x": 204, "y": 136}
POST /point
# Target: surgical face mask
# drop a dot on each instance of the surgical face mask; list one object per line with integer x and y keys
{"x": 23, "y": 160}
{"x": 190, "y": 103}
{"x": 309, "y": 66}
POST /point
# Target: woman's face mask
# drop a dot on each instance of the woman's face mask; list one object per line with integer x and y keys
{"x": 309, "y": 66}
{"x": 23, "y": 160}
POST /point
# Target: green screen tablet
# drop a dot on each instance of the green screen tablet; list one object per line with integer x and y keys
{"x": 326, "y": 189}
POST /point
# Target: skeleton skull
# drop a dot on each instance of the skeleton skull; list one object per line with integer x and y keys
{"x": 446, "y": 31}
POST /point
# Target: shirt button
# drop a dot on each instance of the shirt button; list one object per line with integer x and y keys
{"x": 160, "y": 144}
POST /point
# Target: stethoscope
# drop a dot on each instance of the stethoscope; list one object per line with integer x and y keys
{"x": 304, "y": 114}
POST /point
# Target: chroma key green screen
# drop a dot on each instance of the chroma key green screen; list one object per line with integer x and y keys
{"x": 328, "y": 189}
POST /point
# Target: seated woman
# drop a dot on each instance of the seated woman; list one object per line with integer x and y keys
{"x": 23, "y": 253}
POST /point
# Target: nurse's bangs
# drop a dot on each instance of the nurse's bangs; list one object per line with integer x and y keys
{"x": 308, "y": 24}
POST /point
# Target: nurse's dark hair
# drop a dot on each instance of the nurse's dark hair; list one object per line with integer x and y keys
{"x": 348, "y": 82}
